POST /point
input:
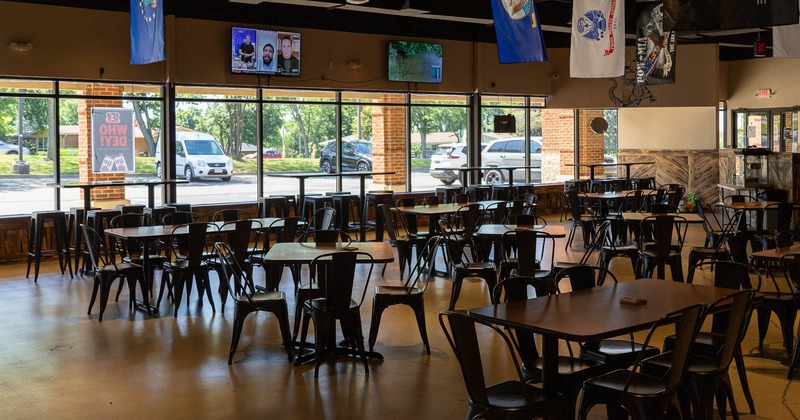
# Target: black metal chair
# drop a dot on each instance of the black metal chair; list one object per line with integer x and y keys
{"x": 718, "y": 251}
{"x": 237, "y": 235}
{"x": 572, "y": 371}
{"x": 461, "y": 267}
{"x": 511, "y": 399}
{"x": 579, "y": 220}
{"x": 783, "y": 301}
{"x": 644, "y": 396}
{"x": 180, "y": 218}
{"x": 285, "y": 230}
{"x": 335, "y": 275}
{"x": 711, "y": 224}
{"x": 521, "y": 254}
{"x": 132, "y": 250}
{"x": 399, "y": 236}
{"x": 106, "y": 270}
{"x": 663, "y": 250}
{"x": 186, "y": 261}
{"x": 707, "y": 375}
{"x": 411, "y": 293}
{"x": 230, "y": 215}
{"x": 247, "y": 300}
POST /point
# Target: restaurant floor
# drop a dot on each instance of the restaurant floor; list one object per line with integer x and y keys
{"x": 57, "y": 362}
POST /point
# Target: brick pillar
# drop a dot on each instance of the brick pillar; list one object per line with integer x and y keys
{"x": 558, "y": 134}
{"x": 389, "y": 143}
{"x": 101, "y": 195}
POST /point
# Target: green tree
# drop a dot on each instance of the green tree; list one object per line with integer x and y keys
{"x": 148, "y": 117}
{"x": 308, "y": 126}
{"x": 610, "y": 137}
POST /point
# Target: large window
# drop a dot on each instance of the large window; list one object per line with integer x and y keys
{"x": 439, "y": 140}
{"x": 775, "y": 129}
{"x": 508, "y": 147}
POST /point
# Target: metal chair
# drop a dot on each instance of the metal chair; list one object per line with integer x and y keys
{"x": 461, "y": 267}
{"x": 663, "y": 250}
{"x": 186, "y": 261}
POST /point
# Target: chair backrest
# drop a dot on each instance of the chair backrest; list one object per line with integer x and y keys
{"x": 662, "y": 227}
{"x": 335, "y": 274}
{"x": 710, "y": 221}
{"x": 98, "y": 253}
{"x": 729, "y": 275}
{"x": 689, "y": 321}
{"x": 525, "y": 242}
{"x": 128, "y": 248}
{"x": 582, "y": 277}
{"x": 497, "y": 211}
{"x": 512, "y": 289}
{"x": 461, "y": 333}
{"x": 602, "y": 235}
{"x": 238, "y": 282}
{"x": 411, "y": 221}
{"x": 454, "y": 251}
{"x": 518, "y": 207}
{"x": 574, "y": 204}
{"x": 286, "y": 228}
{"x": 675, "y": 194}
{"x": 181, "y": 218}
{"x": 791, "y": 270}
{"x": 431, "y": 200}
{"x": 424, "y": 269}
{"x": 190, "y": 245}
{"x": 738, "y": 317}
{"x": 460, "y": 198}
{"x": 782, "y": 213}
{"x": 528, "y": 198}
{"x": 524, "y": 220}
{"x": 329, "y": 236}
{"x": 737, "y": 244}
{"x": 467, "y": 217}
{"x": 238, "y": 238}
{"x": 323, "y": 219}
{"x": 230, "y": 215}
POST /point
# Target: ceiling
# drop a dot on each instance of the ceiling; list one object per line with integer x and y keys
{"x": 467, "y": 20}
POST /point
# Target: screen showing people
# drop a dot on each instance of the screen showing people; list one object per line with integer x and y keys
{"x": 265, "y": 52}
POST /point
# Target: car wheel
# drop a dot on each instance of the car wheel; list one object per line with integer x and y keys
{"x": 447, "y": 181}
{"x": 159, "y": 172}
{"x": 12, "y": 152}
{"x": 493, "y": 177}
{"x": 188, "y": 173}
{"x": 326, "y": 166}
{"x": 226, "y": 179}
{"x": 362, "y": 167}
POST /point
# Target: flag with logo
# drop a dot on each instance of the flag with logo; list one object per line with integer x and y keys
{"x": 598, "y": 39}
{"x": 147, "y": 31}
{"x": 786, "y": 41}
{"x": 655, "y": 47}
{"x": 519, "y": 34}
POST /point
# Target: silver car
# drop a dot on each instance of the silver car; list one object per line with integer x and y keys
{"x": 12, "y": 149}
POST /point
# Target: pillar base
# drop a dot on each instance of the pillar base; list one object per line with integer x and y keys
{"x": 21, "y": 168}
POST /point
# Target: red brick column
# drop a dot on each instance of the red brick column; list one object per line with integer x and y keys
{"x": 558, "y": 137}
{"x": 100, "y": 194}
{"x": 389, "y": 143}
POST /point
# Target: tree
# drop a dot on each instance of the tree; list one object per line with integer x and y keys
{"x": 148, "y": 116}
{"x": 610, "y": 136}
{"x": 309, "y": 125}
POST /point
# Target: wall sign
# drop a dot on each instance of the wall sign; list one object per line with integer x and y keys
{"x": 112, "y": 141}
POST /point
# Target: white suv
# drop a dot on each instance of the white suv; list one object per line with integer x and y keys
{"x": 449, "y": 155}
{"x": 511, "y": 152}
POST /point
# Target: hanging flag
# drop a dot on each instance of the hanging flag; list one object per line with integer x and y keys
{"x": 147, "y": 31}
{"x": 655, "y": 47}
{"x": 786, "y": 40}
{"x": 519, "y": 35}
{"x": 598, "y": 38}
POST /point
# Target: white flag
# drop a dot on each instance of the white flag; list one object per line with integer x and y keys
{"x": 786, "y": 41}
{"x": 598, "y": 38}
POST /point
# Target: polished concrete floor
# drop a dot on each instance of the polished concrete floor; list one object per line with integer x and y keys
{"x": 56, "y": 361}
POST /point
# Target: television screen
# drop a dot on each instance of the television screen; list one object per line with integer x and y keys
{"x": 415, "y": 62}
{"x": 265, "y": 52}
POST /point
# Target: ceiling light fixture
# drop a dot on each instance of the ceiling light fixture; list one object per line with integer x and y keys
{"x": 357, "y": 1}
{"x": 21, "y": 46}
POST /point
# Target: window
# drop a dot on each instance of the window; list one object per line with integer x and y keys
{"x": 775, "y": 129}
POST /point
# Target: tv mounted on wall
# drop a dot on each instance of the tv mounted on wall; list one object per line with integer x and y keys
{"x": 257, "y": 51}
{"x": 415, "y": 62}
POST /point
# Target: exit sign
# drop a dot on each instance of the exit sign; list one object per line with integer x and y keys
{"x": 764, "y": 93}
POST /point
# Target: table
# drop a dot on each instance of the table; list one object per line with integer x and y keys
{"x": 304, "y": 253}
{"x": 493, "y": 232}
{"x": 627, "y": 165}
{"x": 594, "y": 314}
{"x": 88, "y": 186}
{"x": 435, "y": 210}
{"x": 466, "y": 169}
{"x": 302, "y": 176}
{"x": 635, "y": 216}
{"x": 754, "y": 206}
{"x": 148, "y": 234}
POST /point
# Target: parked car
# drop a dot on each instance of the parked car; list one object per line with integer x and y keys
{"x": 198, "y": 155}
{"x": 356, "y": 156}
{"x": 12, "y": 149}
{"x": 510, "y": 152}
{"x": 449, "y": 155}
{"x": 267, "y": 154}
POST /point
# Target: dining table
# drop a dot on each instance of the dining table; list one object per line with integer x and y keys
{"x": 638, "y": 216}
{"x": 302, "y": 176}
{"x": 435, "y": 211}
{"x": 592, "y": 167}
{"x": 493, "y": 232}
{"x": 756, "y": 207}
{"x": 147, "y": 235}
{"x": 594, "y": 314}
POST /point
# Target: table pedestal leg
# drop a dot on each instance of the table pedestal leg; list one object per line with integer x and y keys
{"x": 550, "y": 363}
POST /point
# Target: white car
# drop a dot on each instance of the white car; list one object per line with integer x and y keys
{"x": 11, "y": 149}
{"x": 511, "y": 152}
{"x": 449, "y": 155}
{"x": 198, "y": 156}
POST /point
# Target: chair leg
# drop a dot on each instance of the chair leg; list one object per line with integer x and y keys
{"x": 419, "y": 312}
{"x": 238, "y": 322}
{"x": 95, "y": 286}
{"x": 378, "y": 305}
{"x": 739, "y": 358}
{"x": 207, "y": 286}
{"x": 283, "y": 322}
{"x": 458, "y": 279}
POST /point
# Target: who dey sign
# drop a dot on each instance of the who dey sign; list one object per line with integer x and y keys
{"x": 113, "y": 148}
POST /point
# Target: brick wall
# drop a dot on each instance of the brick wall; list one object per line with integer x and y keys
{"x": 85, "y": 141}
{"x": 389, "y": 143}
{"x": 558, "y": 134}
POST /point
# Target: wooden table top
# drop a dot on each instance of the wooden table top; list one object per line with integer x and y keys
{"x": 747, "y": 205}
{"x": 162, "y": 231}
{"x": 610, "y": 195}
{"x": 440, "y": 209}
{"x": 776, "y": 253}
{"x": 636, "y": 216}
{"x": 556, "y": 231}
{"x": 303, "y": 253}
{"x": 596, "y": 313}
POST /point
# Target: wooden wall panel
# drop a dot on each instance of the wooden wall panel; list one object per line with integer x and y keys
{"x": 697, "y": 170}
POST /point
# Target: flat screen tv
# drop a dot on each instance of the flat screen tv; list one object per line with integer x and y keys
{"x": 415, "y": 62}
{"x": 257, "y": 51}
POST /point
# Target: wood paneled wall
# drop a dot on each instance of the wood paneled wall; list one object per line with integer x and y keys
{"x": 697, "y": 170}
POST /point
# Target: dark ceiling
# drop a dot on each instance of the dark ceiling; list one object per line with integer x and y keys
{"x": 467, "y": 20}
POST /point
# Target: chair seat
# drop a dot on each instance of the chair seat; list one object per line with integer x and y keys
{"x": 475, "y": 266}
{"x": 321, "y": 304}
{"x": 510, "y": 394}
{"x": 617, "y": 353}
{"x": 641, "y": 385}
{"x": 566, "y": 366}
{"x": 262, "y": 297}
{"x": 652, "y": 254}
{"x": 706, "y": 344}
{"x": 697, "y": 364}
{"x": 397, "y": 290}
{"x": 124, "y": 266}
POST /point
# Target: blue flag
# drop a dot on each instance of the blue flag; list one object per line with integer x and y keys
{"x": 519, "y": 35}
{"x": 147, "y": 31}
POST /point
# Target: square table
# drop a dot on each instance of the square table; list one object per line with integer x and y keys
{"x": 594, "y": 314}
